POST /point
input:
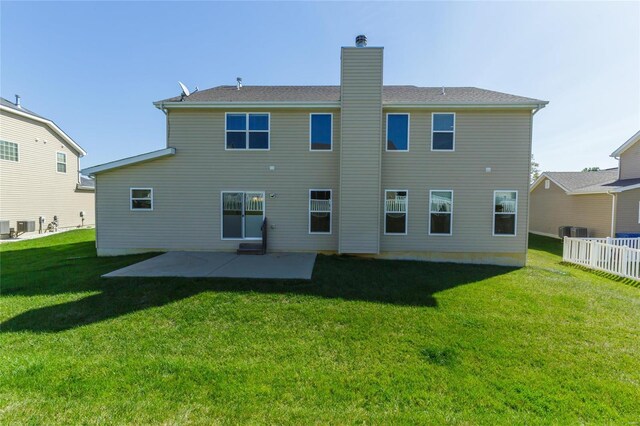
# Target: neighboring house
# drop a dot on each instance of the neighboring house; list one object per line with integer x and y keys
{"x": 605, "y": 202}
{"x": 361, "y": 168}
{"x": 39, "y": 172}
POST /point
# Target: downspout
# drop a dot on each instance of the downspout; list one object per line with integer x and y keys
{"x": 526, "y": 239}
{"x": 613, "y": 214}
{"x": 168, "y": 126}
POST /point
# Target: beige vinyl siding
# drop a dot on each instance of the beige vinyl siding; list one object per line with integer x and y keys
{"x": 630, "y": 162}
{"x": 361, "y": 95}
{"x": 552, "y": 208}
{"x": 186, "y": 211}
{"x": 496, "y": 139}
{"x": 627, "y": 211}
{"x": 32, "y": 187}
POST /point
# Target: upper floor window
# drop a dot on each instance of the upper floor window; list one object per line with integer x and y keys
{"x": 397, "y": 132}
{"x": 395, "y": 212}
{"x": 505, "y": 211}
{"x": 443, "y": 133}
{"x": 8, "y": 151}
{"x": 61, "y": 162}
{"x": 320, "y": 211}
{"x": 321, "y": 132}
{"x": 141, "y": 199}
{"x": 247, "y": 131}
{"x": 440, "y": 212}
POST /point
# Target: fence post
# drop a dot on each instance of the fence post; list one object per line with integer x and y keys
{"x": 625, "y": 251}
{"x": 593, "y": 261}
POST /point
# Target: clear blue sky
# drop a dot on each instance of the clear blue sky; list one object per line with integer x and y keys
{"x": 95, "y": 68}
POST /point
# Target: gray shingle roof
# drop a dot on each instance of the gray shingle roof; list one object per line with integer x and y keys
{"x": 87, "y": 182}
{"x": 599, "y": 181}
{"x": 391, "y": 94}
{"x": 574, "y": 181}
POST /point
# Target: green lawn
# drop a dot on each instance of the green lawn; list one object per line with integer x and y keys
{"x": 374, "y": 342}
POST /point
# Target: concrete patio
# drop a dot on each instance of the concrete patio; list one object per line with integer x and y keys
{"x": 221, "y": 264}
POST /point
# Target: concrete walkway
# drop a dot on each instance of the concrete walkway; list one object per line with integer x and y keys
{"x": 219, "y": 264}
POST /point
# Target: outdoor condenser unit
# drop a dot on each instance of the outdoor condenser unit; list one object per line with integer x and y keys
{"x": 578, "y": 232}
{"x": 26, "y": 226}
{"x": 564, "y": 231}
{"x": 4, "y": 227}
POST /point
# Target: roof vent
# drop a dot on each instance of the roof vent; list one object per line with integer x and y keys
{"x": 239, "y": 83}
{"x": 18, "y": 101}
{"x": 361, "y": 41}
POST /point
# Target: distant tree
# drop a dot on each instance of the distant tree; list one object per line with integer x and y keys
{"x": 591, "y": 169}
{"x": 535, "y": 169}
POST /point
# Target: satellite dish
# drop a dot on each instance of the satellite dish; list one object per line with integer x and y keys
{"x": 185, "y": 91}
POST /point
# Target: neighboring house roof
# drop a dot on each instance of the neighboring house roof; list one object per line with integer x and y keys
{"x": 91, "y": 171}
{"x": 86, "y": 182}
{"x": 597, "y": 182}
{"x": 391, "y": 95}
{"x": 9, "y": 106}
{"x": 632, "y": 141}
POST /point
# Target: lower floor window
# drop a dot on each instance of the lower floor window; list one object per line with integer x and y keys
{"x": 395, "y": 212}
{"x": 320, "y": 211}
{"x": 505, "y": 210}
{"x": 440, "y": 212}
{"x": 141, "y": 199}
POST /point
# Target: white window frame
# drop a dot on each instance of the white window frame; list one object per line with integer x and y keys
{"x": 244, "y": 192}
{"x": 65, "y": 162}
{"x": 150, "y": 198}
{"x": 453, "y": 146}
{"x": 321, "y": 211}
{"x": 493, "y": 209}
{"x": 386, "y": 141}
{"x": 449, "y": 213}
{"x": 17, "y": 152}
{"x": 247, "y": 130}
{"x": 406, "y": 213}
{"x": 311, "y": 132}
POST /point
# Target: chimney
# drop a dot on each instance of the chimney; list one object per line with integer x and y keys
{"x": 18, "y": 101}
{"x": 361, "y": 41}
{"x": 238, "y": 83}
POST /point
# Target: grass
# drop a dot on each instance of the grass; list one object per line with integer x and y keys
{"x": 365, "y": 341}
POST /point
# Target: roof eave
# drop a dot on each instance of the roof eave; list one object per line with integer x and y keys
{"x": 337, "y": 104}
{"x": 631, "y": 141}
{"x": 282, "y": 104}
{"x": 49, "y": 123}
{"x": 92, "y": 171}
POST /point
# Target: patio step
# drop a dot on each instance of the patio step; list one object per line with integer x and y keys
{"x": 250, "y": 248}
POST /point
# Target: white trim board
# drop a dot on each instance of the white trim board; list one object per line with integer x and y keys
{"x": 91, "y": 171}
{"x": 49, "y": 123}
{"x": 628, "y": 144}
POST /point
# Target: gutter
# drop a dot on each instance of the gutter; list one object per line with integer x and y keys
{"x": 337, "y": 104}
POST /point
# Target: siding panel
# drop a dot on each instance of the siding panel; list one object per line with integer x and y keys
{"x": 630, "y": 163}
{"x": 552, "y": 208}
{"x": 187, "y": 186}
{"x": 32, "y": 187}
{"x": 627, "y": 211}
{"x": 361, "y": 94}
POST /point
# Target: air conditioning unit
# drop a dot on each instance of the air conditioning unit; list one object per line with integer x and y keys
{"x": 577, "y": 232}
{"x": 564, "y": 231}
{"x": 26, "y": 226}
{"x": 4, "y": 227}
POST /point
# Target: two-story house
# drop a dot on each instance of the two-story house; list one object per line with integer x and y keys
{"x": 360, "y": 168}
{"x": 40, "y": 173}
{"x": 605, "y": 202}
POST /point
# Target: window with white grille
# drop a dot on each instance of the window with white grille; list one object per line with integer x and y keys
{"x": 395, "y": 211}
{"x": 320, "y": 211}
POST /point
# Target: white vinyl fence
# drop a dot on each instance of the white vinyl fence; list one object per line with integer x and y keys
{"x": 619, "y": 256}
